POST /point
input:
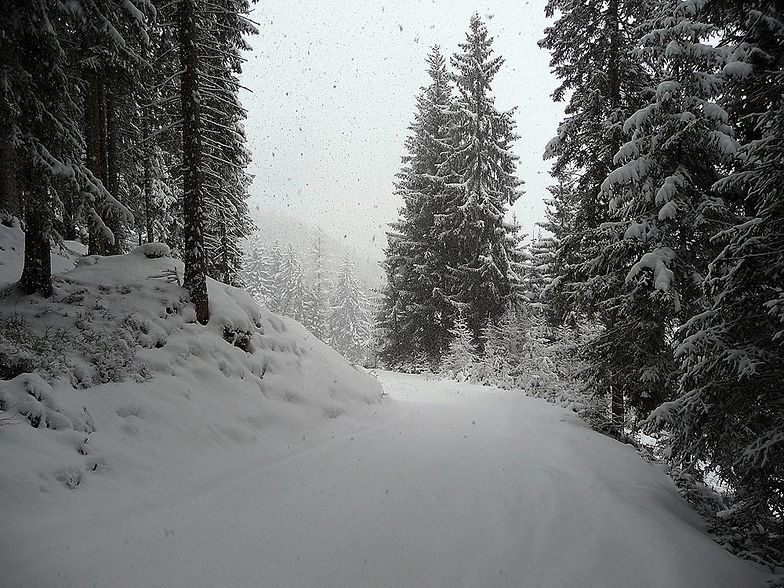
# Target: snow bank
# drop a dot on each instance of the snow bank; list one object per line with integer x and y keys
{"x": 111, "y": 381}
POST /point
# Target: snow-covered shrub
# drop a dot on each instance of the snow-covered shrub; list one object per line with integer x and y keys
{"x": 88, "y": 353}
{"x": 153, "y": 250}
{"x": 238, "y": 337}
{"x": 460, "y": 361}
{"x": 24, "y": 350}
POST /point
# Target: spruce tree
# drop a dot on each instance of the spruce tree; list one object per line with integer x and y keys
{"x": 460, "y": 359}
{"x": 42, "y": 142}
{"x": 416, "y": 313}
{"x": 729, "y": 416}
{"x": 225, "y": 155}
{"x": 292, "y": 289}
{"x": 317, "y": 289}
{"x": 349, "y": 320}
{"x": 591, "y": 44}
{"x": 667, "y": 213}
{"x": 272, "y": 279}
{"x": 254, "y": 266}
{"x": 194, "y": 203}
{"x": 481, "y": 186}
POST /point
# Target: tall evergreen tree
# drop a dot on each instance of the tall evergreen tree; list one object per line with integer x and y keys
{"x": 272, "y": 279}
{"x": 194, "y": 204}
{"x": 292, "y": 294}
{"x": 42, "y": 143}
{"x": 416, "y": 312}
{"x": 481, "y": 185}
{"x": 317, "y": 290}
{"x": 729, "y": 416}
{"x": 254, "y": 267}
{"x": 591, "y": 44}
{"x": 661, "y": 195}
{"x": 225, "y": 25}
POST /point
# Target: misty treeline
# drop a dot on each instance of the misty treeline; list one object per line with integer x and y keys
{"x": 329, "y": 301}
{"x": 661, "y": 275}
{"x": 120, "y": 124}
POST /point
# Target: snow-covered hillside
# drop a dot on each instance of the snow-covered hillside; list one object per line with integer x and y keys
{"x": 110, "y": 382}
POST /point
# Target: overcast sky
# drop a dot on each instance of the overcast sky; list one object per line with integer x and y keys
{"x": 333, "y": 92}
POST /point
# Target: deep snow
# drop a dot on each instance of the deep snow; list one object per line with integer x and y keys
{"x": 444, "y": 485}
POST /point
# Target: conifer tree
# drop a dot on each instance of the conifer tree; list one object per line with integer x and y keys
{"x": 225, "y": 156}
{"x": 194, "y": 203}
{"x": 254, "y": 269}
{"x": 42, "y": 143}
{"x": 349, "y": 320}
{"x": 591, "y": 44}
{"x": 272, "y": 281}
{"x": 292, "y": 289}
{"x": 482, "y": 184}
{"x": 416, "y": 313}
{"x": 461, "y": 357}
{"x": 729, "y": 415}
{"x": 317, "y": 290}
{"x": 667, "y": 213}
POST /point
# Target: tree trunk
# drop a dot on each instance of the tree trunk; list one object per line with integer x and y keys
{"x": 93, "y": 105}
{"x": 193, "y": 194}
{"x": 617, "y": 408}
{"x": 148, "y": 211}
{"x": 9, "y": 190}
{"x": 113, "y": 218}
{"x": 37, "y": 271}
{"x": 149, "y": 220}
{"x": 70, "y": 200}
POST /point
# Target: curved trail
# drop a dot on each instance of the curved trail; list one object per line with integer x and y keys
{"x": 461, "y": 486}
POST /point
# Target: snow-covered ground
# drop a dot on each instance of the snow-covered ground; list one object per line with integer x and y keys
{"x": 445, "y": 485}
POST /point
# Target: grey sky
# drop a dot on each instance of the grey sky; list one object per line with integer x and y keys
{"x": 334, "y": 87}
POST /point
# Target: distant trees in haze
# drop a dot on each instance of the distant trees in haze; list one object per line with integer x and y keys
{"x": 329, "y": 301}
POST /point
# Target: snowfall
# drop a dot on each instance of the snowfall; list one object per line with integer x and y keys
{"x": 247, "y": 453}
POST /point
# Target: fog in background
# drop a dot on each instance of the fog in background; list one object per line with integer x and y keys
{"x": 333, "y": 88}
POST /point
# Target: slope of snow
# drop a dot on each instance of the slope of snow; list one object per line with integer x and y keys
{"x": 451, "y": 485}
{"x": 112, "y": 389}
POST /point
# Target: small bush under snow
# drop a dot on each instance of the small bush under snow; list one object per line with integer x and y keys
{"x": 153, "y": 250}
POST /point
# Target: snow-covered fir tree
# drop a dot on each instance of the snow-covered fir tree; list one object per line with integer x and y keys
{"x": 416, "y": 313}
{"x": 292, "y": 294}
{"x": 482, "y": 185}
{"x": 272, "y": 284}
{"x": 460, "y": 360}
{"x": 318, "y": 286}
{"x": 349, "y": 318}
{"x": 254, "y": 267}
{"x": 591, "y": 44}
{"x": 43, "y": 50}
{"x": 542, "y": 250}
{"x": 225, "y": 27}
{"x": 667, "y": 212}
{"x": 729, "y": 417}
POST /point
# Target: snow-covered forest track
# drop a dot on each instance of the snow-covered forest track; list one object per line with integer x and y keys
{"x": 449, "y": 485}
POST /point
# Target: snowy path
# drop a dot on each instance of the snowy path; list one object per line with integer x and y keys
{"x": 469, "y": 488}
